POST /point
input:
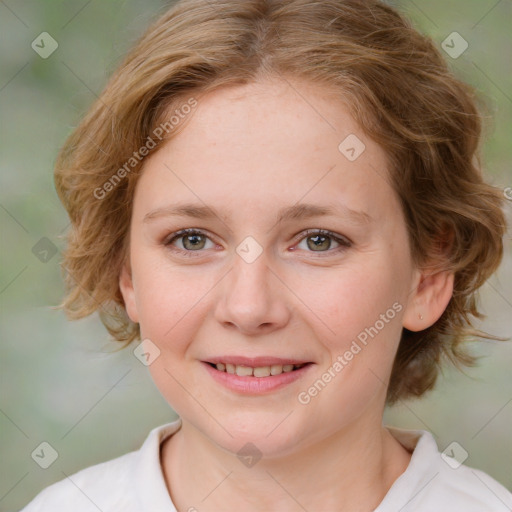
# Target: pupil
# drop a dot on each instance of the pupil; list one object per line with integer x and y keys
{"x": 194, "y": 240}
{"x": 317, "y": 243}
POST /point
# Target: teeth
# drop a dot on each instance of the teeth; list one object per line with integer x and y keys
{"x": 261, "y": 371}
{"x": 264, "y": 371}
{"x": 243, "y": 371}
{"x": 276, "y": 369}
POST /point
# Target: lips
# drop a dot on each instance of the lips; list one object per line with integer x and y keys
{"x": 256, "y": 380}
{"x": 255, "y": 362}
{"x": 257, "y": 371}
{"x": 265, "y": 366}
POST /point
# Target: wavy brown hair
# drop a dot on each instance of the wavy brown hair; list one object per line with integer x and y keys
{"x": 398, "y": 88}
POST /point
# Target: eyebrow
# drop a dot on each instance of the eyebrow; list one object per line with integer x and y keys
{"x": 295, "y": 212}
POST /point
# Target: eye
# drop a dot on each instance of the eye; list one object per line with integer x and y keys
{"x": 191, "y": 240}
{"x": 320, "y": 240}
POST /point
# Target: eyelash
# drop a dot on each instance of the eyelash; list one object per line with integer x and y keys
{"x": 345, "y": 243}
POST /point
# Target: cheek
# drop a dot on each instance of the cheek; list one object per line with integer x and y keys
{"x": 168, "y": 299}
{"x": 348, "y": 300}
{"x": 171, "y": 305}
{"x": 357, "y": 319}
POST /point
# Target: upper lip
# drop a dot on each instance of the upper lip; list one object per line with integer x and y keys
{"x": 255, "y": 362}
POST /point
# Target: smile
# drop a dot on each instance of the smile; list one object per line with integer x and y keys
{"x": 259, "y": 371}
{"x": 256, "y": 380}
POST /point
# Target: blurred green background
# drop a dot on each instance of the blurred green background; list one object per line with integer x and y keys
{"x": 61, "y": 382}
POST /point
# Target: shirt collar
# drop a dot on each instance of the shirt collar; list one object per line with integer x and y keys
{"x": 422, "y": 468}
{"x": 153, "y": 496}
{"x": 149, "y": 481}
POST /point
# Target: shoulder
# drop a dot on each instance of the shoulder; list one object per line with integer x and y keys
{"x": 101, "y": 486}
{"x": 122, "y": 483}
{"x": 439, "y": 481}
{"x": 470, "y": 490}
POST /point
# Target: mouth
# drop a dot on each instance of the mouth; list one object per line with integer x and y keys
{"x": 256, "y": 376}
{"x": 256, "y": 371}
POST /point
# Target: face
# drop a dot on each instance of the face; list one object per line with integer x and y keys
{"x": 297, "y": 253}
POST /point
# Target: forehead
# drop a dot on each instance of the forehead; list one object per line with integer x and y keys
{"x": 267, "y": 144}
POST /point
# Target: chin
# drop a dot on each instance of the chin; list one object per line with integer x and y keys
{"x": 256, "y": 438}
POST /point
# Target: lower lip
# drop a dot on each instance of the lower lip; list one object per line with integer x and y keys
{"x": 256, "y": 385}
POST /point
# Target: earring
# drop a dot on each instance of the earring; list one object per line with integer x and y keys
{"x": 420, "y": 316}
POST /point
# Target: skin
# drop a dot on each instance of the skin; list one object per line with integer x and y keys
{"x": 246, "y": 152}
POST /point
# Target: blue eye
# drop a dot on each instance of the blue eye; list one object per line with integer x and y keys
{"x": 194, "y": 241}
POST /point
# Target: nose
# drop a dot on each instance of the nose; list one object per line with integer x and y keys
{"x": 252, "y": 298}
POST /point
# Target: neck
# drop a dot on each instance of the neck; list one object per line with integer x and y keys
{"x": 351, "y": 470}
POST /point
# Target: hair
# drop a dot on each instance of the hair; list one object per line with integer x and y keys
{"x": 398, "y": 88}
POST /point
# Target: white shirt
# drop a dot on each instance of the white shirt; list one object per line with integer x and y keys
{"x": 135, "y": 483}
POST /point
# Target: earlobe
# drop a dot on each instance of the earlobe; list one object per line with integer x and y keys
{"x": 128, "y": 293}
{"x": 428, "y": 300}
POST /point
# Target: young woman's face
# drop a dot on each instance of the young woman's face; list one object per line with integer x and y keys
{"x": 250, "y": 174}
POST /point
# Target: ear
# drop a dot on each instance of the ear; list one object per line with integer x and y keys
{"x": 431, "y": 294}
{"x": 128, "y": 292}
